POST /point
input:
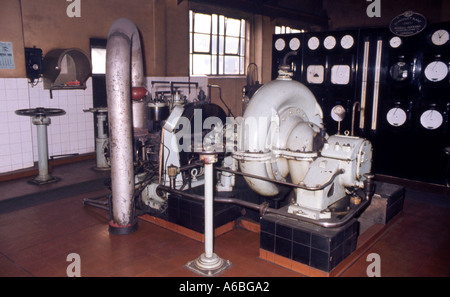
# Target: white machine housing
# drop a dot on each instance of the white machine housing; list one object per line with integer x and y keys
{"x": 277, "y": 140}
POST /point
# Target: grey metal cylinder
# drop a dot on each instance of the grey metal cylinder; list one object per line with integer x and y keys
{"x": 123, "y": 50}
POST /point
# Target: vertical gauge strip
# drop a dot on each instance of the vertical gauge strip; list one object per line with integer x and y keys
{"x": 376, "y": 86}
{"x": 364, "y": 83}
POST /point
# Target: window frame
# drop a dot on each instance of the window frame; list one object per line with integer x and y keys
{"x": 217, "y": 53}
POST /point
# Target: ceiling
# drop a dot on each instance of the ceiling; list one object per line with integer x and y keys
{"x": 308, "y": 11}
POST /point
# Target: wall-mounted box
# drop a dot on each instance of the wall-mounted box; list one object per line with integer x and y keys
{"x": 66, "y": 69}
{"x": 33, "y": 63}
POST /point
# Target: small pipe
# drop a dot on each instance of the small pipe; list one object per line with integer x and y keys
{"x": 321, "y": 187}
{"x": 220, "y": 97}
{"x": 353, "y": 115}
{"x": 264, "y": 209}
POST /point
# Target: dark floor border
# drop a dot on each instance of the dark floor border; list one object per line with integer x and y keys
{"x": 38, "y": 198}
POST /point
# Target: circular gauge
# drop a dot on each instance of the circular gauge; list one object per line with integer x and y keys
{"x": 294, "y": 44}
{"x": 338, "y": 113}
{"x": 313, "y": 43}
{"x": 399, "y": 71}
{"x": 280, "y": 44}
{"x": 431, "y": 119}
{"x": 440, "y": 37}
{"x": 395, "y": 42}
{"x": 329, "y": 42}
{"x": 347, "y": 41}
{"x": 396, "y": 116}
{"x": 436, "y": 71}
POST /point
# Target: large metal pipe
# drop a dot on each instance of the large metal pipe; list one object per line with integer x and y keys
{"x": 124, "y": 70}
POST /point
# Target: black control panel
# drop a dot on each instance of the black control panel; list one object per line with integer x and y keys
{"x": 393, "y": 90}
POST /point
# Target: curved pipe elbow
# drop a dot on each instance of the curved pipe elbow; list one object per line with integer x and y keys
{"x": 260, "y": 129}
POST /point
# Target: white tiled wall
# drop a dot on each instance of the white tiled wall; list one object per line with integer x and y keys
{"x": 72, "y": 133}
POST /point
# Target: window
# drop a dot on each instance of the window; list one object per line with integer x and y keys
{"x": 287, "y": 30}
{"x": 217, "y": 44}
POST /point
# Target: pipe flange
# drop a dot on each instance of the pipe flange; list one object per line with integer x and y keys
{"x": 263, "y": 208}
{"x": 208, "y": 158}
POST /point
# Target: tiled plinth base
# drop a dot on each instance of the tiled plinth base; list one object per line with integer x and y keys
{"x": 364, "y": 242}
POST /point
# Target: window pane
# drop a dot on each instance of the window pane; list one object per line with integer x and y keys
{"x": 201, "y": 64}
{"x": 221, "y": 25}
{"x": 214, "y": 64}
{"x": 98, "y": 58}
{"x": 231, "y": 65}
{"x": 221, "y": 64}
{"x": 242, "y": 61}
{"x": 233, "y": 27}
{"x": 201, "y": 43}
{"x": 221, "y": 45}
{"x": 202, "y": 23}
{"x": 232, "y": 45}
{"x": 214, "y": 24}
{"x": 214, "y": 45}
{"x": 242, "y": 51}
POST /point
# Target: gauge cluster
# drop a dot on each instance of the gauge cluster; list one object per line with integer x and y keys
{"x": 401, "y": 86}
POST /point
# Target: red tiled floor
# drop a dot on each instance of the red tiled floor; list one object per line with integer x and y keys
{"x": 35, "y": 241}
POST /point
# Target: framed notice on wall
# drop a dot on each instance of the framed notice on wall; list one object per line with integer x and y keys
{"x": 6, "y": 55}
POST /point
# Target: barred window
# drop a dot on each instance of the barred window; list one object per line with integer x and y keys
{"x": 217, "y": 44}
{"x": 287, "y": 30}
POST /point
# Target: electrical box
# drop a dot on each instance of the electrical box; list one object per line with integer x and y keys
{"x": 33, "y": 63}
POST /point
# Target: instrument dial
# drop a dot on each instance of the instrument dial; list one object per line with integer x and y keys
{"x": 294, "y": 44}
{"x": 440, "y": 37}
{"x": 399, "y": 71}
{"x": 395, "y": 42}
{"x": 396, "y": 117}
{"x": 347, "y": 41}
{"x": 431, "y": 119}
{"x": 436, "y": 71}
{"x": 329, "y": 42}
{"x": 313, "y": 43}
{"x": 280, "y": 44}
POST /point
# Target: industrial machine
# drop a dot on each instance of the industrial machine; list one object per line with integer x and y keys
{"x": 164, "y": 147}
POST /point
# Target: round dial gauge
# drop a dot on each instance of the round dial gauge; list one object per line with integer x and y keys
{"x": 436, "y": 71}
{"x": 294, "y": 44}
{"x": 315, "y": 74}
{"x": 395, "y": 42}
{"x": 440, "y": 37}
{"x": 396, "y": 116}
{"x": 313, "y": 43}
{"x": 280, "y": 44}
{"x": 329, "y": 42}
{"x": 347, "y": 41}
{"x": 338, "y": 113}
{"x": 399, "y": 71}
{"x": 340, "y": 74}
{"x": 431, "y": 119}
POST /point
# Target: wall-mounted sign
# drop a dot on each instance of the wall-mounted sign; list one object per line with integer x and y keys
{"x": 6, "y": 56}
{"x": 408, "y": 23}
